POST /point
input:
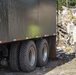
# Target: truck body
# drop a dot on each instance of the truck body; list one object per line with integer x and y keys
{"x": 25, "y": 20}
{"x": 17, "y": 17}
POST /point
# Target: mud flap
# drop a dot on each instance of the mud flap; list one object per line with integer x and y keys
{"x": 52, "y": 47}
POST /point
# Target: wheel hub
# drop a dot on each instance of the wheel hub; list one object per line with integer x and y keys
{"x": 32, "y": 56}
{"x": 44, "y": 53}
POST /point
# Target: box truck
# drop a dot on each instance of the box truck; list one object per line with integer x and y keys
{"x": 27, "y": 33}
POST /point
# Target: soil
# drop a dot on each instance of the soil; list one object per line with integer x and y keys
{"x": 62, "y": 65}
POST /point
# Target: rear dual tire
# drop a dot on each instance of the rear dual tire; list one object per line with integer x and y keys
{"x": 42, "y": 52}
{"x": 14, "y": 56}
{"x": 26, "y": 57}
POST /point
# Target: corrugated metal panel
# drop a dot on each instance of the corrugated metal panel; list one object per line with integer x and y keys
{"x": 3, "y": 20}
{"x": 27, "y": 18}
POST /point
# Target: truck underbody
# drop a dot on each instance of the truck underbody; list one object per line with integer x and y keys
{"x": 27, "y": 33}
{"x": 11, "y": 54}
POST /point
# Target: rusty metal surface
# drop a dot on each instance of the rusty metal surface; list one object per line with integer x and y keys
{"x": 52, "y": 47}
{"x": 27, "y": 18}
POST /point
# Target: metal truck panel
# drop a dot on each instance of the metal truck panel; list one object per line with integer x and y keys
{"x": 21, "y": 19}
{"x": 3, "y": 20}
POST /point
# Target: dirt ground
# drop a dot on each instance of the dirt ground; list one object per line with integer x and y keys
{"x": 63, "y": 65}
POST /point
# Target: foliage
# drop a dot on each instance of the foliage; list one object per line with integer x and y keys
{"x": 61, "y": 3}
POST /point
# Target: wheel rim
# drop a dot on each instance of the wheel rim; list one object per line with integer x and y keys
{"x": 44, "y": 53}
{"x": 32, "y": 56}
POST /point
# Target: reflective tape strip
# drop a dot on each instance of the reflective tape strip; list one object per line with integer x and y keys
{"x": 18, "y": 39}
{"x": 37, "y": 36}
{"x": 26, "y": 38}
{"x": 0, "y": 41}
{"x": 54, "y": 34}
{"x": 4, "y": 41}
{"x": 47, "y": 35}
{"x": 14, "y": 39}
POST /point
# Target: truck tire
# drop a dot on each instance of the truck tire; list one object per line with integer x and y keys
{"x": 14, "y": 56}
{"x": 28, "y": 56}
{"x": 42, "y": 52}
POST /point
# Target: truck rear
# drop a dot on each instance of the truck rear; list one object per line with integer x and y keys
{"x": 27, "y": 33}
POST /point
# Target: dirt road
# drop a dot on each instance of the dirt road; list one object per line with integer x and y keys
{"x": 54, "y": 67}
{"x": 63, "y": 65}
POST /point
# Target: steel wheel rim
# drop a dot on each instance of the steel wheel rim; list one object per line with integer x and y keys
{"x": 32, "y": 56}
{"x": 44, "y": 53}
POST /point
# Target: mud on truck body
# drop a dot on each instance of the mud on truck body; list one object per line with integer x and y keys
{"x": 27, "y": 33}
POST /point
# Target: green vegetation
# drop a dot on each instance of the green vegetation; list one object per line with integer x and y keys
{"x": 61, "y": 3}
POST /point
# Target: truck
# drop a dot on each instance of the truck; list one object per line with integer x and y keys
{"x": 27, "y": 33}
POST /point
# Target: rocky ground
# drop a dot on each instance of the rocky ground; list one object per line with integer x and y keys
{"x": 62, "y": 65}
